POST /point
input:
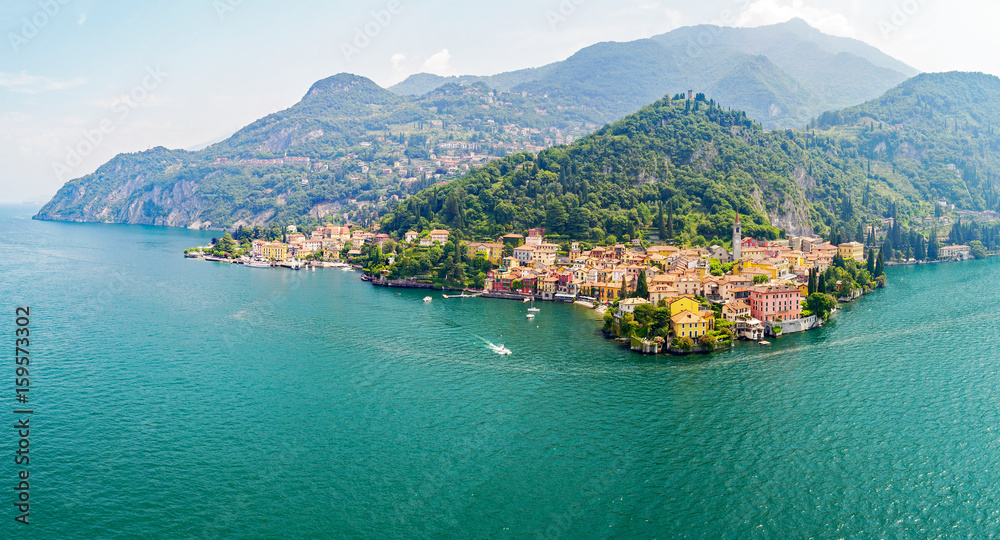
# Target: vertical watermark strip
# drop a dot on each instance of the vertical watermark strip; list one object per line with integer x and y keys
{"x": 22, "y": 413}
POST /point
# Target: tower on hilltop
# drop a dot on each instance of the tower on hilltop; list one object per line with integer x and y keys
{"x": 737, "y": 239}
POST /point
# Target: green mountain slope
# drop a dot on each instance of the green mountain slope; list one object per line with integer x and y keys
{"x": 705, "y": 163}
{"x": 934, "y": 135}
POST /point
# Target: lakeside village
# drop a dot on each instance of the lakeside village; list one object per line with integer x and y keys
{"x": 654, "y": 298}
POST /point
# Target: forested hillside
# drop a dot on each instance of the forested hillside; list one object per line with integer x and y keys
{"x": 701, "y": 163}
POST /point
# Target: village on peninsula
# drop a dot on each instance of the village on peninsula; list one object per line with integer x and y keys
{"x": 654, "y": 298}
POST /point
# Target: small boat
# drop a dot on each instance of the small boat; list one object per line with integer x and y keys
{"x": 765, "y": 343}
{"x": 533, "y": 308}
{"x": 257, "y": 264}
{"x": 531, "y": 315}
{"x": 526, "y": 300}
{"x": 500, "y": 349}
{"x": 428, "y": 299}
{"x": 463, "y": 295}
{"x": 345, "y": 268}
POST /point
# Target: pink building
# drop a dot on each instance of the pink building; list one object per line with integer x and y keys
{"x": 770, "y": 302}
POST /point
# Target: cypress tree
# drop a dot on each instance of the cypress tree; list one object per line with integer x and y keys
{"x": 660, "y": 225}
{"x": 670, "y": 220}
{"x": 641, "y": 288}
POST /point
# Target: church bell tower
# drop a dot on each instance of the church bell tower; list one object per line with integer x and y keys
{"x": 737, "y": 239}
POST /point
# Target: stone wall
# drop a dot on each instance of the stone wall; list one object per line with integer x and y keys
{"x": 794, "y": 326}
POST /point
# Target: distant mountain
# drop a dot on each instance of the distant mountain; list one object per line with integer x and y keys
{"x": 782, "y": 75}
{"x": 348, "y": 147}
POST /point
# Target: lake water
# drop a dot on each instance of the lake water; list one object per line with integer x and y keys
{"x": 183, "y": 399}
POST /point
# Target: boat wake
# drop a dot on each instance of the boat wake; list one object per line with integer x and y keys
{"x": 499, "y": 349}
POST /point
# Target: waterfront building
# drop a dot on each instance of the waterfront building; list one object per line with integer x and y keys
{"x": 769, "y": 303}
{"x": 684, "y": 303}
{"x": 688, "y": 324}
{"x": 274, "y": 251}
{"x": 955, "y": 252}
{"x": 852, "y": 251}
{"x": 736, "y": 310}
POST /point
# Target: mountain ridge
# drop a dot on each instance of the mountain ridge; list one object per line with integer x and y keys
{"x": 837, "y": 72}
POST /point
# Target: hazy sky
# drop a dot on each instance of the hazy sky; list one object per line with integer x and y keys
{"x": 132, "y": 75}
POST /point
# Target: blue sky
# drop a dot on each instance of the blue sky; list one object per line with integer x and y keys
{"x": 132, "y": 75}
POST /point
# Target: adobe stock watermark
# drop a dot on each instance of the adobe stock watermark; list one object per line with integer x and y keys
{"x": 705, "y": 39}
{"x": 225, "y": 7}
{"x": 901, "y": 15}
{"x": 563, "y": 12}
{"x": 122, "y": 109}
{"x": 33, "y": 24}
{"x": 364, "y": 35}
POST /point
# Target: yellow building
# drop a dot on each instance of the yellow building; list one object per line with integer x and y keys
{"x": 688, "y": 324}
{"x": 492, "y": 252}
{"x": 274, "y": 252}
{"x": 852, "y": 251}
{"x": 683, "y": 304}
{"x": 607, "y": 292}
{"x": 742, "y": 266}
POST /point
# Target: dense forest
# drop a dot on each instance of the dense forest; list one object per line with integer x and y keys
{"x": 681, "y": 170}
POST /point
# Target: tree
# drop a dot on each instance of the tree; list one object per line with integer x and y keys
{"x": 645, "y": 314}
{"x": 661, "y": 225}
{"x": 933, "y": 248}
{"x": 556, "y": 217}
{"x": 978, "y": 250}
{"x": 623, "y": 294}
{"x": 225, "y": 245}
{"x": 626, "y": 325}
{"x": 641, "y": 288}
{"x": 609, "y": 322}
{"x": 670, "y": 220}
{"x": 761, "y": 279}
{"x": 821, "y": 304}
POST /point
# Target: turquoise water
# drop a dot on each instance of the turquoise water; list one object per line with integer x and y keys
{"x": 186, "y": 399}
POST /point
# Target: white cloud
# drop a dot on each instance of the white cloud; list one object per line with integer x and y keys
{"x": 81, "y": 19}
{"x": 397, "y": 60}
{"x": 438, "y": 63}
{"x": 765, "y": 12}
{"x": 31, "y": 84}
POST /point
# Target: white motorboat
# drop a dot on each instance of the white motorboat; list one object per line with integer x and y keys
{"x": 500, "y": 349}
{"x": 531, "y": 315}
{"x": 258, "y": 264}
{"x": 428, "y": 299}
